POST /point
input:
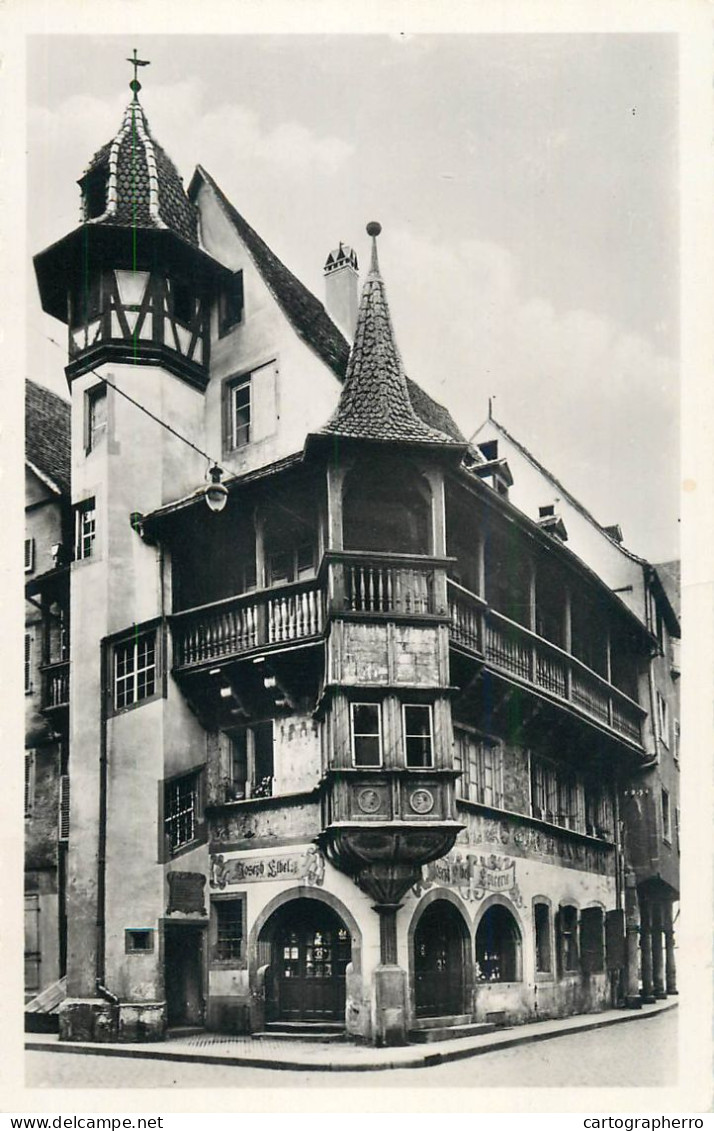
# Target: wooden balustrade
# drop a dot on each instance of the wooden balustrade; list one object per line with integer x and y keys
{"x": 240, "y": 624}
{"x": 385, "y": 587}
{"x": 55, "y": 691}
{"x": 514, "y": 649}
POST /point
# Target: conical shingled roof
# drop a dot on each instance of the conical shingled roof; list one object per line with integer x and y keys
{"x": 142, "y": 185}
{"x": 375, "y": 403}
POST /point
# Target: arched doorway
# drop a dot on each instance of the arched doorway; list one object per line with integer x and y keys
{"x": 498, "y": 946}
{"x": 309, "y": 947}
{"x": 441, "y": 942}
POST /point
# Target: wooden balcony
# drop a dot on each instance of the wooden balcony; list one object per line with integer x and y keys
{"x": 227, "y": 629}
{"x": 386, "y": 585}
{"x": 55, "y": 686}
{"x": 508, "y": 647}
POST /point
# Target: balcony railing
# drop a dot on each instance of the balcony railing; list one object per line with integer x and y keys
{"x": 226, "y": 629}
{"x": 510, "y": 647}
{"x": 55, "y": 685}
{"x": 397, "y": 585}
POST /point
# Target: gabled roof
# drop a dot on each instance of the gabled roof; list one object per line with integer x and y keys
{"x": 562, "y": 491}
{"x": 142, "y": 187}
{"x": 375, "y": 402}
{"x": 47, "y": 436}
{"x": 308, "y": 316}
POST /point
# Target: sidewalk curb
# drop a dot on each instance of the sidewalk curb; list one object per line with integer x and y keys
{"x": 420, "y": 1060}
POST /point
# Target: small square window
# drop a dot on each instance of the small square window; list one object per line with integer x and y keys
{"x": 85, "y": 530}
{"x": 229, "y": 929}
{"x": 139, "y": 941}
{"x": 230, "y": 304}
{"x": 135, "y": 669}
{"x": 29, "y": 555}
{"x": 417, "y": 736}
{"x": 366, "y": 734}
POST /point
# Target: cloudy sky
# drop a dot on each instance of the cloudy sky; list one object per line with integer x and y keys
{"x": 527, "y": 190}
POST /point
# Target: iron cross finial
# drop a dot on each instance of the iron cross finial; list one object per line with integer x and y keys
{"x": 136, "y": 62}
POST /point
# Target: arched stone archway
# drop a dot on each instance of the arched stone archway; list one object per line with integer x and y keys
{"x": 300, "y": 947}
{"x": 440, "y": 957}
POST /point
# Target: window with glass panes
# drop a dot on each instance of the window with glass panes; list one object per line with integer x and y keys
{"x": 85, "y": 530}
{"x": 568, "y": 939}
{"x": 541, "y": 918}
{"x": 229, "y": 928}
{"x": 366, "y": 734}
{"x": 240, "y": 414}
{"x": 418, "y": 749}
{"x": 96, "y": 416}
{"x": 180, "y": 810}
{"x": 135, "y": 669}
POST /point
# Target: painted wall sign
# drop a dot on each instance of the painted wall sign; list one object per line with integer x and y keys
{"x": 186, "y": 892}
{"x": 307, "y": 867}
{"x": 474, "y": 876}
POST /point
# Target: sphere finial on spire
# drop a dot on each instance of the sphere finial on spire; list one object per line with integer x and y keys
{"x": 373, "y": 230}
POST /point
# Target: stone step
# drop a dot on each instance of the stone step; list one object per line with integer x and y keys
{"x": 320, "y": 1036}
{"x": 443, "y": 1020}
{"x": 449, "y": 1032}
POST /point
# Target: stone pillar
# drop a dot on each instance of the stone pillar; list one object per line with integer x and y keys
{"x": 632, "y": 938}
{"x": 647, "y": 994}
{"x": 670, "y": 961}
{"x": 390, "y": 982}
{"x": 657, "y": 954}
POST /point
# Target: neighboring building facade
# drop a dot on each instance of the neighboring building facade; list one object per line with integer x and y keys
{"x": 46, "y": 679}
{"x": 348, "y": 743}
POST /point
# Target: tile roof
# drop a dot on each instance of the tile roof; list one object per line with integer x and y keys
{"x": 375, "y": 402}
{"x": 47, "y": 434}
{"x": 309, "y": 317}
{"x": 670, "y": 575}
{"x": 143, "y": 186}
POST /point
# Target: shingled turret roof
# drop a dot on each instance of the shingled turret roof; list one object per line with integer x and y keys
{"x": 47, "y": 436}
{"x": 140, "y": 184}
{"x": 375, "y": 403}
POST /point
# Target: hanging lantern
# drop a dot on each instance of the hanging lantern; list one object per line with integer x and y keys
{"x": 216, "y": 492}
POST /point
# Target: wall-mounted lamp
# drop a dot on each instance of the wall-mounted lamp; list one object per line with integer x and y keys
{"x": 216, "y": 492}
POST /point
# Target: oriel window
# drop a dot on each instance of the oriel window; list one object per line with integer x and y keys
{"x": 418, "y": 746}
{"x": 366, "y": 734}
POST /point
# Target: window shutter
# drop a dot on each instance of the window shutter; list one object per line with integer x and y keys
{"x": 591, "y": 940}
{"x": 28, "y": 661}
{"x": 29, "y": 555}
{"x": 63, "y": 820}
{"x": 615, "y": 939}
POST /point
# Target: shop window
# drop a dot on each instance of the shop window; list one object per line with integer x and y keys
{"x": 366, "y": 734}
{"x": 138, "y": 941}
{"x": 543, "y": 951}
{"x": 95, "y": 416}
{"x": 418, "y": 749}
{"x": 182, "y": 811}
{"x": 666, "y": 818}
{"x": 29, "y": 555}
{"x": 497, "y": 947}
{"x": 253, "y": 766}
{"x": 230, "y": 304}
{"x": 135, "y": 669}
{"x": 85, "y": 530}
{"x": 229, "y": 927}
{"x": 481, "y": 763}
{"x": 568, "y": 939}
{"x": 592, "y": 940}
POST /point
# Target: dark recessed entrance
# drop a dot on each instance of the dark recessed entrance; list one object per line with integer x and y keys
{"x": 310, "y": 947}
{"x": 441, "y": 945}
{"x": 183, "y": 974}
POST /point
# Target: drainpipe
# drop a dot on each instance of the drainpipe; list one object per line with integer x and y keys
{"x": 102, "y": 839}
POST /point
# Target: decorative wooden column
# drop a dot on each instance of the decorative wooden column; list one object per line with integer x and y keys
{"x": 657, "y": 954}
{"x": 670, "y": 961}
{"x": 647, "y": 993}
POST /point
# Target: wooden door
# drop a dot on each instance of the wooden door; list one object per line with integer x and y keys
{"x": 311, "y": 950}
{"x": 439, "y": 959}
{"x": 183, "y": 957}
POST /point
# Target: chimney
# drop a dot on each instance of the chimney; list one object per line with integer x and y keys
{"x": 342, "y": 288}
